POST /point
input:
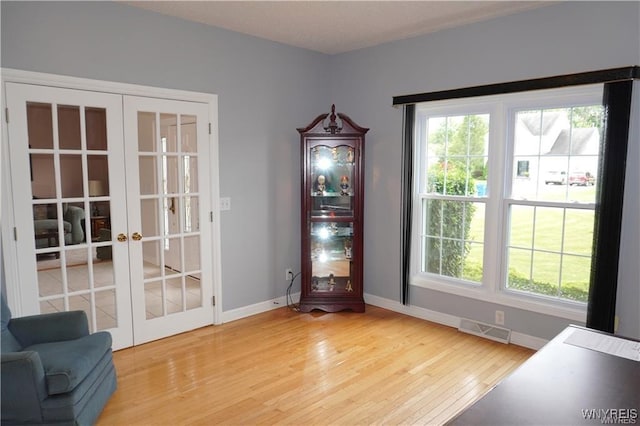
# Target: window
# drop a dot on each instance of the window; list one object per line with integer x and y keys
{"x": 453, "y": 188}
{"x": 505, "y": 196}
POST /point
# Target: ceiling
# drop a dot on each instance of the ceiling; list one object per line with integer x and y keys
{"x": 336, "y": 26}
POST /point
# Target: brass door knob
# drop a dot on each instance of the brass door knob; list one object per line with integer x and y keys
{"x": 122, "y": 238}
{"x": 136, "y": 236}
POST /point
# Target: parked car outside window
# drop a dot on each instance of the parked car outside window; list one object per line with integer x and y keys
{"x": 581, "y": 179}
{"x": 555, "y": 177}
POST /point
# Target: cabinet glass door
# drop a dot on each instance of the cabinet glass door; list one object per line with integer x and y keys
{"x": 331, "y": 254}
{"x": 331, "y": 181}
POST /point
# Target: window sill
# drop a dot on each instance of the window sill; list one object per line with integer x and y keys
{"x": 568, "y": 310}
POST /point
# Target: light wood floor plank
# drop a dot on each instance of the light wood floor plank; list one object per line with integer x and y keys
{"x": 283, "y": 367}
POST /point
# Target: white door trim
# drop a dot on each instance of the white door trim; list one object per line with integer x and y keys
{"x": 7, "y": 217}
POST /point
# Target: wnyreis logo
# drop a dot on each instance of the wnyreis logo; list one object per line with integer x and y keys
{"x": 612, "y": 416}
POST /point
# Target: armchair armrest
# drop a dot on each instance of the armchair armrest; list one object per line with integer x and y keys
{"x": 52, "y": 327}
{"x": 23, "y": 387}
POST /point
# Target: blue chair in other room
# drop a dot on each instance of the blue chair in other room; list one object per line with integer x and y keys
{"x": 54, "y": 371}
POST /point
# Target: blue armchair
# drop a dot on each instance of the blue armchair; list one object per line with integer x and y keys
{"x": 54, "y": 371}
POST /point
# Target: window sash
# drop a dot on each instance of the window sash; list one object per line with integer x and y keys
{"x": 501, "y": 171}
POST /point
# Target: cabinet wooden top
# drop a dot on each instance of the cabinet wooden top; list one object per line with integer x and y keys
{"x": 332, "y": 123}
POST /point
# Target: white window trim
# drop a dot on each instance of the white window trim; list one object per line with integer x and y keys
{"x": 501, "y": 108}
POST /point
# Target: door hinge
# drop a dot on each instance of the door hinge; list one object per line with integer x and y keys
{"x": 15, "y": 233}
{"x": 211, "y": 217}
{"x": 213, "y": 301}
{"x": 209, "y": 128}
{"x": 6, "y": 115}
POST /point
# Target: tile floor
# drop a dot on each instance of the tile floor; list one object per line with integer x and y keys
{"x": 51, "y": 279}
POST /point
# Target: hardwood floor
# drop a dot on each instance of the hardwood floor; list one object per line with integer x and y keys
{"x": 283, "y": 367}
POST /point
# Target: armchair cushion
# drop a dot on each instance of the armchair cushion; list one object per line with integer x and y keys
{"x": 67, "y": 363}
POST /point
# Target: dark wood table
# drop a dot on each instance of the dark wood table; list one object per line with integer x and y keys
{"x": 563, "y": 384}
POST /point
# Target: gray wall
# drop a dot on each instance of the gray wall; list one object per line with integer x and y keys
{"x": 266, "y": 90}
{"x": 559, "y": 39}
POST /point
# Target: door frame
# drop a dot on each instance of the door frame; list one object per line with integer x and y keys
{"x": 8, "y": 249}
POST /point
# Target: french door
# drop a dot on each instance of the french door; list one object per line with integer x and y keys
{"x": 111, "y": 201}
{"x": 167, "y": 196}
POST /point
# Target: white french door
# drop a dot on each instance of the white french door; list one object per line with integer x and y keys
{"x": 166, "y": 158}
{"x": 66, "y": 149}
{"x": 96, "y": 180}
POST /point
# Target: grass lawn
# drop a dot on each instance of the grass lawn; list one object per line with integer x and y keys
{"x": 550, "y": 245}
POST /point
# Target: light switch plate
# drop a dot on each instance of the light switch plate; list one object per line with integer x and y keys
{"x": 225, "y": 204}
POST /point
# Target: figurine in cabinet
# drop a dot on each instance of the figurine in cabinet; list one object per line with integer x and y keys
{"x": 344, "y": 185}
{"x": 332, "y": 162}
{"x": 321, "y": 185}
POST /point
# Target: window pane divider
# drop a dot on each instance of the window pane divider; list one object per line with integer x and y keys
{"x": 557, "y": 204}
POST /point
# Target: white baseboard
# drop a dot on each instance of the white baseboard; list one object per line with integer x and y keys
{"x": 258, "y": 308}
{"x": 414, "y": 311}
{"x": 519, "y": 339}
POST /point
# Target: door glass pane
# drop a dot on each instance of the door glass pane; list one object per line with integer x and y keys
{"x": 193, "y": 291}
{"x": 173, "y": 255}
{"x": 69, "y": 127}
{"x": 150, "y": 217}
{"x": 43, "y": 177}
{"x": 191, "y": 249}
{"x": 147, "y": 132}
{"x": 71, "y": 175}
{"x": 148, "y": 181}
{"x": 153, "y": 299}
{"x": 151, "y": 252}
{"x": 190, "y": 214}
{"x": 168, "y": 131}
{"x": 46, "y": 227}
{"x": 96, "y": 128}
{"x": 52, "y": 305}
{"x": 172, "y": 215}
{"x": 174, "y": 295}
{"x": 190, "y": 164}
{"x": 77, "y": 270}
{"x": 82, "y": 303}
{"x": 39, "y": 125}
{"x": 98, "y": 172}
{"x": 188, "y": 133}
{"x": 170, "y": 174}
{"x": 103, "y": 274}
{"x": 49, "y": 278}
{"x": 106, "y": 314}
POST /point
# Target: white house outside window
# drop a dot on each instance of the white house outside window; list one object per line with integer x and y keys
{"x": 505, "y": 197}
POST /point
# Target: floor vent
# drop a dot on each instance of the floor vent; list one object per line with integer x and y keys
{"x": 489, "y": 331}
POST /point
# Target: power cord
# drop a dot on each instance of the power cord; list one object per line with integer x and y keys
{"x": 290, "y": 304}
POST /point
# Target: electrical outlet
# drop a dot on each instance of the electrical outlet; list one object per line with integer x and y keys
{"x": 499, "y": 318}
{"x": 289, "y": 274}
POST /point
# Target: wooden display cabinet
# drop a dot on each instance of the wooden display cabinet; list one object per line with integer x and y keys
{"x": 332, "y": 159}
